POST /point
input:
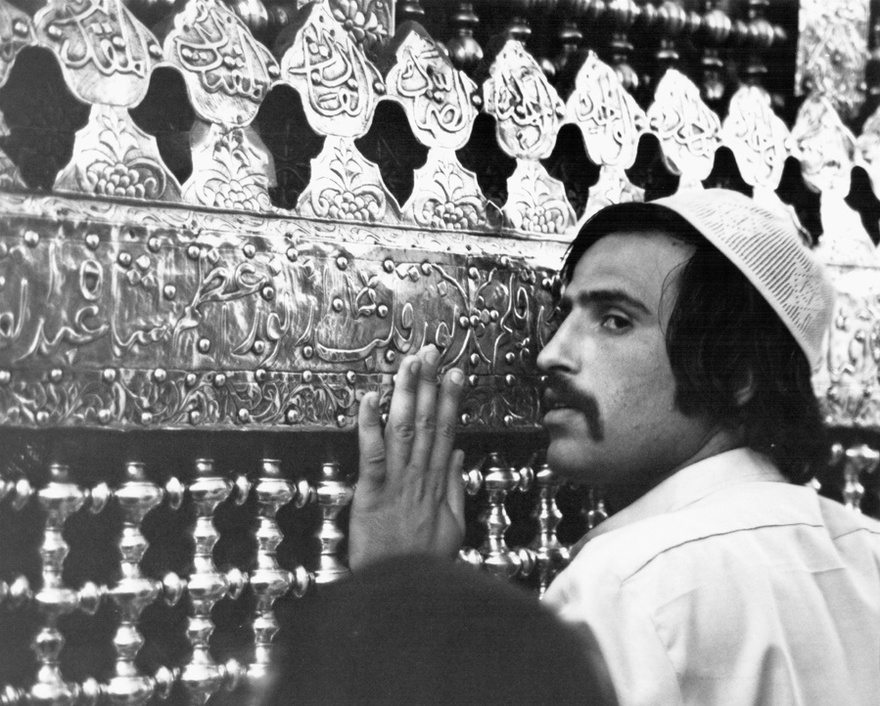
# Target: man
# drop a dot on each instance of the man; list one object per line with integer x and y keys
{"x": 680, "y": 383}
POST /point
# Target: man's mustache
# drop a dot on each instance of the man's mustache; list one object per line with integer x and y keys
{"x": 560, "y": 391}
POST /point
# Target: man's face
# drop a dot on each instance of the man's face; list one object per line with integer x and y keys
{"x": 611, "y": 413}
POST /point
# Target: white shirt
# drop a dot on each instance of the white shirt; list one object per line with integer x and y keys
{"x": 727, "y": 585}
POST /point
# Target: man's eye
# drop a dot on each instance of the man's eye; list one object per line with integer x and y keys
{"x": 615, "y": 322}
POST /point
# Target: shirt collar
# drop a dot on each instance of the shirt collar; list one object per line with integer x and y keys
{"x": 690, "y": 484}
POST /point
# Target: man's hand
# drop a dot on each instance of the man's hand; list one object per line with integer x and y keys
{"x": 410, "y": 496}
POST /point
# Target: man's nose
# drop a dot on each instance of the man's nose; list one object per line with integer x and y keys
{"x": 552, "y": 356}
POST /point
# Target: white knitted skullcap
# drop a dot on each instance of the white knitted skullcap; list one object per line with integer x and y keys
{"x": 765, "y": 245}
{"x": 767, "y": 248}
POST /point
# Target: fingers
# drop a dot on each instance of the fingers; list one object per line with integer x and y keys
{"x": 426, "y": 409}
{"x": 445, "y": 427}
{"x": 400, "y": 429}
{"x": 371, "y": 442}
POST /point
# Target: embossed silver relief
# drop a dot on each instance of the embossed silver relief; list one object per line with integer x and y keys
{"x": 536, "y": 202}
{"x": 757, "y": 137}
{"x": 16, "y": 33}
{"x": 106, "y": 55}
{"x": 150, "y": 329}
{"x": 369, "y": 23}
{"x": 847, "y": 384}
{"x": 688, "y": 131}
{"x": 227, "y": 74}
{"x": 832, "y": 51}
{"x": 825, "y": 149}
{"x": 339, "y": 89}
{"x": 441, "y": 106}
{"x": 610, "y": 122}
{"x": 232, "y": 168}
{"x": 114, "y": 158}
{"x": 528, "y": 115}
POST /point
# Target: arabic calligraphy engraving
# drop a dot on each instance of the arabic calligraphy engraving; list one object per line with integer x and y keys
{"x": 438, "y": 99}
{"x": 689, "y": 132}
{"x": 105, "y": 53}
{"x": 337, "y": 83}
{"x": 756, "y": 136}
{"x": 227, "y": 72}
{"x": 526, "y": 107}
{"x": 609, "y": 118}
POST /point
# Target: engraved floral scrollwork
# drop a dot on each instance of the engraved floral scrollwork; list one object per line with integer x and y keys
{"x": 115, "y": 158}
{"x": 526, "y": 107}
{"x": 610, "y": 122}
{"x": 347, "y": 187}
{"x": 105, "y": 53}
{"x": 536, "y": 202}
{"x": 439, "y": 100}
{"x": 756, "y": 136}
{"x": 368, "y": 22}
{"x": 832, "y": 51}
{"x": 447, "y": 196}
{"x": 232, "y": 169}
{"x": 227, "y": 72}
{"x": 688, "y": 131}
{"x": 337, "y": 83}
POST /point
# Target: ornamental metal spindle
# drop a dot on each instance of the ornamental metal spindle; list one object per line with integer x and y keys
{"x": 499, "y": 479}
{"x": 59, "y": 499}
{"x": 333, "y": 493}
{"x": 202, "y": 676}
{"x": 269, "y": 581}
{"x": 595, "y": 511}
{"x": 136, "y": 497}
{"x": 464, "y": 51}
{"x": 551, "y": 556}
{"x": 859, "y": 459}
{"x": 716, "y": 29}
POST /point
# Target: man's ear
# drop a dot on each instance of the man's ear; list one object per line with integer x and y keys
{"x": 746, "y": 390}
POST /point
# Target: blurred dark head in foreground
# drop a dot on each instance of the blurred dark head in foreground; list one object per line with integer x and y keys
{"x": 414, "y": 630}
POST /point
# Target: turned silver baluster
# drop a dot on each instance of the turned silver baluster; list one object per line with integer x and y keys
{"x": 269, "y": 581}
{"x": 595, "y": 511}
{"x": 202, "y": 676}
{"x": 500, "y": 479}
{"x": 859, "y": 459}
{"x": 551, "y": 556}
{"x": 136, "y": 497}
{"x": 16, "y": 594}
{"x": 333, "y": 493}
{"x": 59, "y": 499}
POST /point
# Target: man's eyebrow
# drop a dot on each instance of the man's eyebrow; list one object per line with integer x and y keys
{"x": 606, "y": 296}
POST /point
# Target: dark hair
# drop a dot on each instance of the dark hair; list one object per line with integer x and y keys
{"x": 723, "y": 335}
